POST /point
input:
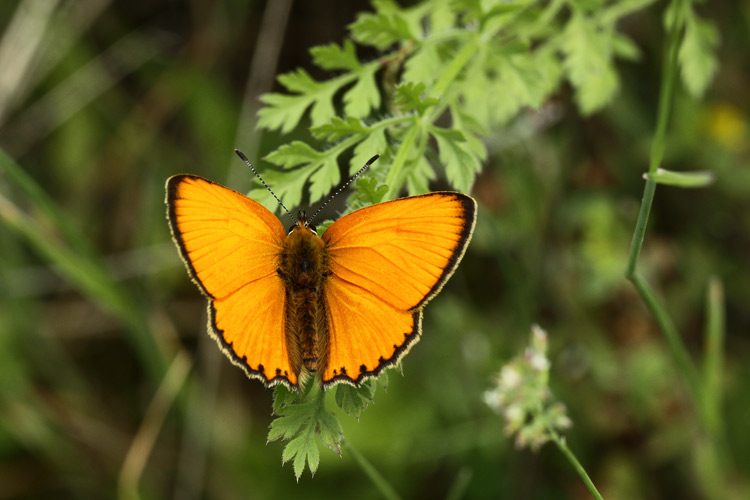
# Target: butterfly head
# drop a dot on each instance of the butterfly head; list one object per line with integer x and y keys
{"x": 301, "y": 224}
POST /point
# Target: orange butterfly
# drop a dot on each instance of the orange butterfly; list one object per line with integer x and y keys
{"x": 344, "y": 306}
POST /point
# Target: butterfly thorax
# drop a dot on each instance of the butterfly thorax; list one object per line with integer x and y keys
{"x": 303, "y": 269}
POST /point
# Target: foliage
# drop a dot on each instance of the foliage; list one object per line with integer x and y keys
{"x": 475, "y": 65}
{"x": 451, "y": 72}
{"x": 99, "y": 107}
{"x": 301, "y": 418}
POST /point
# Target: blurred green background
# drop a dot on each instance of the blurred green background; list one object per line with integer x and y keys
{"x": 101, "y": 101}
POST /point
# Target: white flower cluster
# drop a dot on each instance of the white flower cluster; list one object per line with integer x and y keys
{"x": 521, "y": 395}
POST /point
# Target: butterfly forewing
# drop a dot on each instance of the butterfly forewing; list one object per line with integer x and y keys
{"x": 231, "y": 246}
{"x": 387, "y": 261}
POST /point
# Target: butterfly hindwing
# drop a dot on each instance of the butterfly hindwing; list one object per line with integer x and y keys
{"x": 387, "y": 261}
{"x": 366, "y": 334}
{"x": 231, "y": 246}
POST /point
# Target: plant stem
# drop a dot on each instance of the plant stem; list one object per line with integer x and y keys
{"x": 560, "y": 442}
{"x": 394, "y": 178}
{"x": 640, "y": 228}
{"x": 377, "y": 479}
{"x": 666, "y": 92}
{"x": 714, "y": 357}
{"x": 453, "y": 69}
{"x": 657, "y": 146}
{"x": 666, "y": 325}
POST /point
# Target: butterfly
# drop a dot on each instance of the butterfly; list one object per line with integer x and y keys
{"x": 283, "y": 305}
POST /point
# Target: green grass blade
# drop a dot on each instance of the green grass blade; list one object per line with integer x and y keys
{"x": 59, "y": 243}
{"x": 713, "y": 362}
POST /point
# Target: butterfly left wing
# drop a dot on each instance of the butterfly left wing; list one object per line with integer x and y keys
{"x": 387, "y": 261}
{"x": 231, "y": 246}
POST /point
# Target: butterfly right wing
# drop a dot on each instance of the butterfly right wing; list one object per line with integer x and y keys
{"x": 387, "y": 261}
{"x": 231, "y": 246}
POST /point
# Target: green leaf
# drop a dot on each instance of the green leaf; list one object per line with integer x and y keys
{"x": 283, "y": 396}
{"x": 481, "y": 96}
{"x": 424, "y": 65}
{"x": 441, "y": 20}
{"x": 499, "y": 82}
{"x": 697, "y": 55}
{"x": 383, "y": 379}
{"x": 294, "y": 154}
{"x": 624, "y": 47}
{"x": 324, "y": 178}
{"x": 460, "y": 165}
{"x": 374, "y": 143}
{"x": 333, "y": 56}
{"x": 354, "y": 400}
{"x": 330, "y": 431}
{"x": 681, "y": 179}
{"x": 323, "y": 226}
{"x": 368, "y": 191}
{"x": 302, "y": 449}
{"x": 381, "y": 30}
{"x": 521, "y": 83}
{"x": 285, "y": 111}
{"x": 500, "y": 14}
{"x": 282, "y": 111}
{"x": 298, "y": 81}
{"x": 302, "y": 423}
{"x": 418, "y": 178}
{"x": 617, "y": 10}
{"x": 588, "y": 63}
{"x": 408, "y": 97}
{"x": 292, "y": 418}
{"x": 338, "y": 128}
{"x": 364, "y": 96}
{"x": 288, "y": 186}
{"x": 320, "y": 167}
{"x": 466, "y": 123}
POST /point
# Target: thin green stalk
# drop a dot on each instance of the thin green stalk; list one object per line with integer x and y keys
{"x": 640, "y": 228}
{"x": 393, "y": 180}
{"x": 441, "y": 89}
{"x": 455, "y": 67}
{"x": 389, "y": 122}
{"x": 377, "y": 479}
{"x": 21, "y": 179}
{"x": 666, "y": 325}
{"x": 714, "y": 357}
{"x": 560, "y": 442}
{"x": 460, "y": 484}
{"x": 666, "y": 92}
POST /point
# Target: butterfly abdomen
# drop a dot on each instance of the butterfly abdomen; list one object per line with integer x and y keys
{"x": 303, "y": 270}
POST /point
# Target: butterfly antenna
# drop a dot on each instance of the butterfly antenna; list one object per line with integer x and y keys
{"x": 351, "y": 179}
{"x": 244, "y": 158}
